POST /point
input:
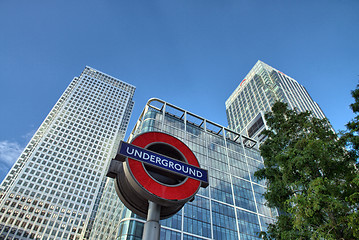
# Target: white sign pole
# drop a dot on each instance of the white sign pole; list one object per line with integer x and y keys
{"x": 151, "y": 230}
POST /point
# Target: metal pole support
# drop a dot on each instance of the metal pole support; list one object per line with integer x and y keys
{"x": 151, "y": 230}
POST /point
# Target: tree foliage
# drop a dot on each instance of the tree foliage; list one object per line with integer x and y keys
{"x": 351, "y": 136}
{"x": 310, "y": 176}
{"x": 351, "y": 139}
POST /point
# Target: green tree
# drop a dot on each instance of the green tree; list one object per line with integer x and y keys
{"x": 351, "y": 139}
{"x": 309, "y": 175}
{"x": 351, "y": 136}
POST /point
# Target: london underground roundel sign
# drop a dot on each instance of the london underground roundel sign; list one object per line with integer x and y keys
{"x": 160, "y": 168}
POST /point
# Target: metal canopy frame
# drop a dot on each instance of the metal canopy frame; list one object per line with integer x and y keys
{"x": 194, "y": 120}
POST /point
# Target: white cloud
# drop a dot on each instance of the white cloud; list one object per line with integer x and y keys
{"x": 27, "y": 137}
{"x": 9, "y": 152}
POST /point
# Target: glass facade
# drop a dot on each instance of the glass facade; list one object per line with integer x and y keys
{"x": 53, "y": 189}
{"x": 255, "y": 95}
{"x": 231, "y": 207}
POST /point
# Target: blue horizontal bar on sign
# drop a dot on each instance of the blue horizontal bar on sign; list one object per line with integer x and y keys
{"x": 161, "y": 161}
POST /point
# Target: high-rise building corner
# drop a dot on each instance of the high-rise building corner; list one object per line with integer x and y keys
{"x": 257, "y": 92}
{"x": 53, "y": 189}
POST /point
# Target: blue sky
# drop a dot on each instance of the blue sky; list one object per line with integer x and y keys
{"x": 191, "y": 53}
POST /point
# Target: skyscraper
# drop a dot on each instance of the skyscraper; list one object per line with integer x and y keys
{"x": 231, "y": 207}
{"x": 255, "y": 95}
{"x": 52, "y": 191}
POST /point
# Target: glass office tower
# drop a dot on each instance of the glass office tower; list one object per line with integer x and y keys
{"x": 53, "y": 189}
{"x": 231, "y": 207}
{"x": 255, "y": 95}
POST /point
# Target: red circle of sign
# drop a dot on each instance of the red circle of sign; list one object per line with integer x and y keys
{"x": 178, "y": 192}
